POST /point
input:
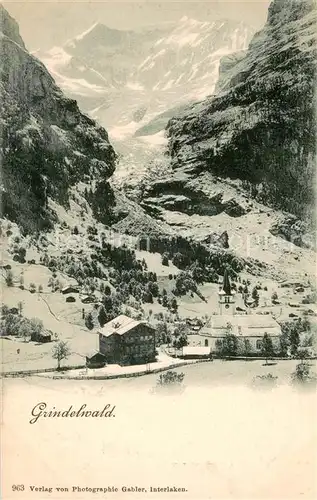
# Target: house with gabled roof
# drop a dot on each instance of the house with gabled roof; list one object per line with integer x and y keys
{"x": 95, "y": 359}
{"x": 69, "y": 289}
{"x": 125, "y": 340}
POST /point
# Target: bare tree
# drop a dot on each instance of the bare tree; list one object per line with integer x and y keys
{"x": 25, "y": 330}
{"x": 60, "y": 351}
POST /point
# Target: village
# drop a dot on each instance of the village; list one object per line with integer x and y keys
{"x": 124, "y": 339}
{"x": 228, "y": 320}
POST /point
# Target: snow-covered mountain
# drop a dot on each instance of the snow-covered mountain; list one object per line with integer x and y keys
{"x": 99, "y": 61}
{"x": 126, "y": 78}
{"x": 190, "y": 53}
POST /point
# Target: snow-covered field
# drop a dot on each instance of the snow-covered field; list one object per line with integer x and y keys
{"x": 163, "y": 361}
{"x": 224, "y": 441}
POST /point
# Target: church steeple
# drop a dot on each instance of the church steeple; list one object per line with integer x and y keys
{"x": 226, "y": 283}
{"x": 226, "y": 296}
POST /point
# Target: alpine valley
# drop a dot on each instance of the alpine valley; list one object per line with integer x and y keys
{"x": 139, "y": 167}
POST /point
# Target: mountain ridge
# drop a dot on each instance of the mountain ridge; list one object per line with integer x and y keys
{"x": 47, "y": 144}
{"x": 261, "y": 126}
{"x": 9, "y": 27}
{"x": 148, "y": 63}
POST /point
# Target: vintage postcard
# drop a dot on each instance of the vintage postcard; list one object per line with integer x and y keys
{"x": 158, "y": 325}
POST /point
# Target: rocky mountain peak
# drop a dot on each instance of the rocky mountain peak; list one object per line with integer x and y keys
{"x": 295, "y": 10}
{"x": 9, "y": 27}
{"x": 261, "y": 127}
{"x": 96, "y": 34}
{"x": 47, "y": 144}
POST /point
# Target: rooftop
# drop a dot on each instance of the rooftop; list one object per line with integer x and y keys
{"x": 73, "y": 287}
{"x": 120, "y": 325}
{"x": 91, "y": 352}
{"x": 246, "y": 325}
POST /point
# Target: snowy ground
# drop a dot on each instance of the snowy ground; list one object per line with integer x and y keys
{"x": 163, "y": 361}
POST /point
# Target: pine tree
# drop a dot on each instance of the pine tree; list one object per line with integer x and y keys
{"x": 294, "y": 340}
{"x": 267, "y": 347}
{"x": 173, "y": 304}
{"x": 21, "y": 282}
{"x": 247, "y": 347}
{"x": 102, "y": 316}
{"x": 230, "y": 345}
{"x": 20, "y": 307}
{"x": 9, "y": 278}
{"x": 165, "y": 301}
{"x": 89, "y": 321}
{"x": 165, "y": 259}
{"x": 255, "y": 296}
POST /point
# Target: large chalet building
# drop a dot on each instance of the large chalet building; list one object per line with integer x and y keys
{"x": 127, "y": 341}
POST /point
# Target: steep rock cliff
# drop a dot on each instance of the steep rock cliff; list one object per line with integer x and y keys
{"x": 261, "y": 127}
{"x": 227, "y": 68}
{"x": 47, "y": 144}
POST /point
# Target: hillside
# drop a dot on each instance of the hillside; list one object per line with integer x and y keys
{"x": 261, "y": 127}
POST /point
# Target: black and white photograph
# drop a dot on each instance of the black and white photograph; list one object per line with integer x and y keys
{"x": 158, "y": 322}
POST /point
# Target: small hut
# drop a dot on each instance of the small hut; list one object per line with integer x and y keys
{"x": 42, "y": 337}
{"x": 95, "y": 360}
{"x": 88, "y": 299}
{"x": 70, "y": 298}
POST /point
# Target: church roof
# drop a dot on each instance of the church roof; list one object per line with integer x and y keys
{"x": 249, "y": 325}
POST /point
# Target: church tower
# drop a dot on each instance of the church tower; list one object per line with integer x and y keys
{"x": 226, "y": 296}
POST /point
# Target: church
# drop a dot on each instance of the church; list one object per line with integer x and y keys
{"x": 248, "y": 328}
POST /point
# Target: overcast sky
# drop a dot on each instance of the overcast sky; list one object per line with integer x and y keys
{"x": 44, "y": 24}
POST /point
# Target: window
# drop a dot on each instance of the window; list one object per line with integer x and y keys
{"x": 259, "y": 344}
{"x": 206, "y": 342}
